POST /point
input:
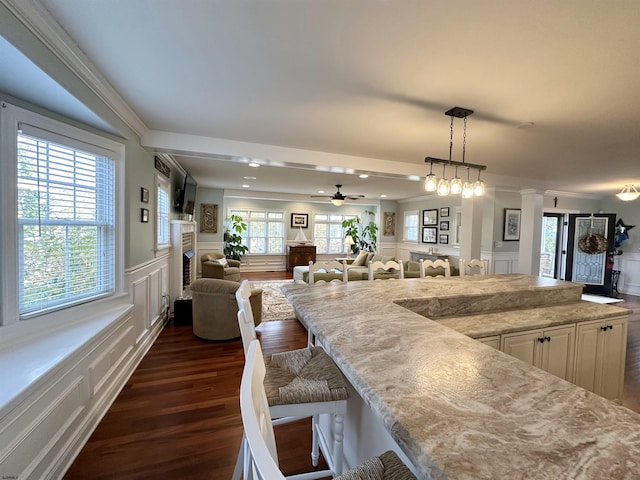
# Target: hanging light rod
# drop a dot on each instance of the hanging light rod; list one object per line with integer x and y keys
{"x": 444, "y": 186}
{"x": 453, "y": 163}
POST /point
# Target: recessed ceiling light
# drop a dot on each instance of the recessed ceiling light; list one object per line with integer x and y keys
{"x": 320, "y": 191}
{"x": 364, "y": 175}
{"x": 254, "y": 164}
{"x": 383, "y": 196}
{"x": 249, "y": 178}
{"x": 524, "y": 125}
{"x": 246, "y": 186}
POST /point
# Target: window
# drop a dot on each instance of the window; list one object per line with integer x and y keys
{"x": 62, "y": 225}
{"x": 162, "y": 212}
{"x": 328, "y": 234}
{"x": 265, "y": 231}
{"x": 411, "y": 226}
{"x": 457, "y": 225}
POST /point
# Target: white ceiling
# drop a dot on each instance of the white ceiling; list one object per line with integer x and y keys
{"x": 364, "y": 84}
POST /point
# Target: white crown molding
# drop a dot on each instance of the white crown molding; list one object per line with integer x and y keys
{"x": 39, "y": 21}
{"x": 584, "y": 196}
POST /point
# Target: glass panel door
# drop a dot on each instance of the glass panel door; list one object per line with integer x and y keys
{"x": 551, "y": 245}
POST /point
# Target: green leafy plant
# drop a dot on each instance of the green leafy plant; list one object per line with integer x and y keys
{"x": 233, "y": 246}
{"x": 365, "y": 235}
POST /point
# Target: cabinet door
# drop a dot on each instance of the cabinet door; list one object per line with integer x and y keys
{"x": 600, "y": 357}
{"x": 493, "y": 342}
{"x": 558, "y": 351}
{"x": 614, "y": 345}
{"x": 586, "y": 364}
{"x": 522, "y": 345}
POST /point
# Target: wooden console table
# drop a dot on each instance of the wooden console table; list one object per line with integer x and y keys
{"x": 300, "y": 255}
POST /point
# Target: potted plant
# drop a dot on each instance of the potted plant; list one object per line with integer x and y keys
{"x": 233, "y": 246}
{"x": 365, "y": 236}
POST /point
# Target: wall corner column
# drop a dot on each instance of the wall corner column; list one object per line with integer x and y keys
{"x": 530, "y": 231}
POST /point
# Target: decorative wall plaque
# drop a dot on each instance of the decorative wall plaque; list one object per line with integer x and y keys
{"x": 208, "y": 218}
{"x": 162, "y": 167}
{"x": 389, "y": 224}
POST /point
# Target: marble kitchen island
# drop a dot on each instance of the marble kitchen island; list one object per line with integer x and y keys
{"x": 455, "y": 407}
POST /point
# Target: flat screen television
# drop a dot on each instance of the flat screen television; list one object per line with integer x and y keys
{"x": 187, "y": 196}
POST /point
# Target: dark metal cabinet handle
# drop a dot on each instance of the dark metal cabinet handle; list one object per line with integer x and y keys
{"x": 604, "y": 329}
{"x": 541, "y": 340}
{"x": 610, "y": 327}
{"x": 548, "y": 339}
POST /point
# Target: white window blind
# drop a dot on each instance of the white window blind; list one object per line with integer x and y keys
{"x": 66, "y": 215}
{"x": 411, "y": 226}
{"x": 162, "y": 213}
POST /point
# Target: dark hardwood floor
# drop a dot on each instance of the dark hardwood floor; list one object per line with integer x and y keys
{"x": 178, "y": 415}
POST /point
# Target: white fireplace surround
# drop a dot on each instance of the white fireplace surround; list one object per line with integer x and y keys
{"x": 183, "y": 239}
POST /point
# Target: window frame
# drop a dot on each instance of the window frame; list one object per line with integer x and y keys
{"x": 316, "y": 221}
{"x": 11, "y": 117}
{"x": 246, "y": 214}
{"x": 162, "y": 183}
{"x": 411, "y": 213}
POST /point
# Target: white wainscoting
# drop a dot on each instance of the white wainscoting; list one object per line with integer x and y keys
{"x": 59, "y": 382}
{"x": 629, "y": 264}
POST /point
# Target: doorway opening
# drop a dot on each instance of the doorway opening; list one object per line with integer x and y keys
{"x": 551, "y": 265}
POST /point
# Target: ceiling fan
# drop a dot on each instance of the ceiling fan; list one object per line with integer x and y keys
{"x": 338, "y": 198}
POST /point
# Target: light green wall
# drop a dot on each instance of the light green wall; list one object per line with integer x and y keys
{"x": 629, "y": 212}
{"x": 139, "y": 167}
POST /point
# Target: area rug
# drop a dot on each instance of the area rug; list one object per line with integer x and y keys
{"x": 274, "y": 304}
{"x": 600, "y": 299}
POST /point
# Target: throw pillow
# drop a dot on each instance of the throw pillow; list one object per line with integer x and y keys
{"x": 222, "y": 261}
{"x": 360, "y": 259}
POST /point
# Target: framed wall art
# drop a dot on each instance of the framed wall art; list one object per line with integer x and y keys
{"x": 299, "y": 220}
{"x": 444, "y": 239}
{"x": 144, "y": 195}
{"x": 389, "y": 224}
{"x": 429, "y": 217}
{"x": 208, "y": 218}
{"x": 444, "y": 212}
{"x": 444, "y": 225}
{"x": 429, "y": 235}
{"x": 511, "y": 231}
{"x": 144, "y": 215}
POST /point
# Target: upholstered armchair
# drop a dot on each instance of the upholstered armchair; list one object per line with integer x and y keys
{"x": 213, "y": 266}
{"x": 215, "y": 309}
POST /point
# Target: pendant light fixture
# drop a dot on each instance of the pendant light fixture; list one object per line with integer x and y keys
{"x": 455, "y": 186}
{"x": 628, "y": 193}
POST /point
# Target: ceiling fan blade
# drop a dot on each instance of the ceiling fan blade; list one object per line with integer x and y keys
{"x": 320, "y": 196}
{"x": 354, "y": 197}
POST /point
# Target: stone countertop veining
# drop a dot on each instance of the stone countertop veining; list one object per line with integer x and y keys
{"x": 458, "y": 408}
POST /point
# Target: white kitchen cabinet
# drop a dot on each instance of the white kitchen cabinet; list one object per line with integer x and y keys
{"x": 493, "y": 341}
{"x": 600, "y": 357}
{"x": 551, "y": 349}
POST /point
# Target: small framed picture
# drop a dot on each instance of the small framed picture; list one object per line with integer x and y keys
{"x": 429, "y": 235}
{"x": 444, "y": 212}
{"x": 444, "y": 239}
{"x": 511, "y": 231}
{"x": 430, "y": 217}
{"x": 144, "y": 195}
{"x": 299, "y": 220}
{"x": 144, "y": 215}
{"x": 444, "y": 225}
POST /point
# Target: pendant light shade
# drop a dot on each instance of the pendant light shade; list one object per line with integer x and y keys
{"x": 628, "y": 193}
{"x": 430, "y": 181}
